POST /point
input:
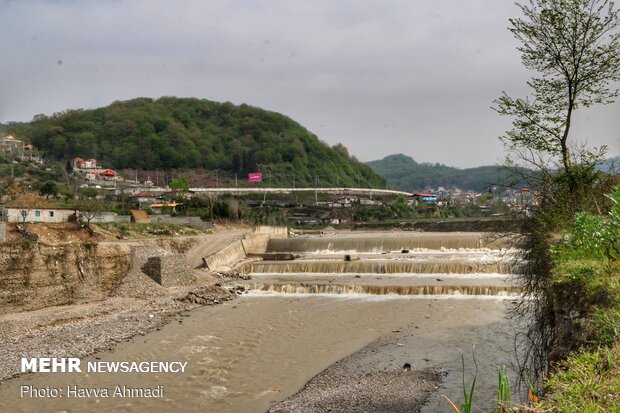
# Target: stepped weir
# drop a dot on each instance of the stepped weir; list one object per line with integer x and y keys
{"x": 388, "y": 264}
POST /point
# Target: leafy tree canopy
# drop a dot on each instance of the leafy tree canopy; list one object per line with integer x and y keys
{"x": 573, "y": 46}
{"x": 193, "y": 133}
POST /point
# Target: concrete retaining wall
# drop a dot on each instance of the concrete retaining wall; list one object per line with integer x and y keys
{"x": 169, "y": 270}
{"x": 194, "y": 222}
{"x": 226, "y": 257}
{"x": 255, "y": 243}
{"x": 273, "y": 232}
{"x": 108, "y": 217}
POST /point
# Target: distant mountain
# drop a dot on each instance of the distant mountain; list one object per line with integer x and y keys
{"x": 403, "y": 173}
{"x": 184, "y": 133}
{"x": 610, "y": 165}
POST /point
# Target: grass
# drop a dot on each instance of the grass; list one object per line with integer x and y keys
{"x": 504, "y": 397}
{"x": 589, "y": 382}
{"x": 468, "y": 396}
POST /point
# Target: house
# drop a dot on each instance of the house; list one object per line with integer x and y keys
{"x": 9, "y": 142}
{"x": 424, "y": 197}
{"x": 106, "y": 174}
{"x": 143, "y": 199}
{"x": 79, "y": 163}
{"x": 19, "y": 149}
{"x": 159, "y": 208}
{"x": 44, "y": 214}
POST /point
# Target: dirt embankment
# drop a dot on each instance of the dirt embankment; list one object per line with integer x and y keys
{"x": 34, "y": 275}
{"x": 76, "y": 297}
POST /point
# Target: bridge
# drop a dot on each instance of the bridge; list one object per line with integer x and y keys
{"x": 266, "y": 190}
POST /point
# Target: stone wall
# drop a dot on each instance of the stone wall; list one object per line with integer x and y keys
{"x": 169, "y": 270}
{"x": 2, "y": 231}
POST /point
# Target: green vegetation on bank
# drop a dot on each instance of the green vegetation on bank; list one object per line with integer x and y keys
{"x": 403, "y": 173}
{"x": 185, "y": 133}
{"x": 586, "y": 262}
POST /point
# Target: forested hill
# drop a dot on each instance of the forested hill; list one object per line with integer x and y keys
{"x": 403, "y": 173}
{"x": 192, "y": 133}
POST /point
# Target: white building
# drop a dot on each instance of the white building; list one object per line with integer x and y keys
{"x": 49, "y": 215}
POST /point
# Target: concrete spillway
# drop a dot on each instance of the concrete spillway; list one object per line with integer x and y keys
{"x": 397, "y": 264}
{"x": 386, "y": 242}
{"x": 380, "y": 267}
{"x": 304, "y": 288}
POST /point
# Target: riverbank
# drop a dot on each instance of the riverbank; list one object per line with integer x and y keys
{"x": 84, "y": 329}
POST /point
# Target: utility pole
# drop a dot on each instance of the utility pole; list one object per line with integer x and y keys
{"x": 316, "y": 189}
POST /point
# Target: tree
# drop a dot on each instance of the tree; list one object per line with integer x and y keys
{"x": 90, "y": 209}
{"x": 179, "y": 184}
{"x": 575, "y": 47}
{"x": 49, "y": 188}
{"x": 87, "y": 193}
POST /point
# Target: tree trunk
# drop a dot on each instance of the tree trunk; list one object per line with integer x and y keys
{"x": 563, "y": 144}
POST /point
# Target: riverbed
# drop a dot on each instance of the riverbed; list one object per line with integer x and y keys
{"x": 247, "y": 355}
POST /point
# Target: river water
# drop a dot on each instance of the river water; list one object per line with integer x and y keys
{"x": 248, "y": 354}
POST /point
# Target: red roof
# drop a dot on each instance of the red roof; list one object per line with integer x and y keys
{"x": 107, "y": 172}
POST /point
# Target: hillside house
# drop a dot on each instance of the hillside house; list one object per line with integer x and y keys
{"x": 47, "y": 215}
{"x": 79, "y": 163}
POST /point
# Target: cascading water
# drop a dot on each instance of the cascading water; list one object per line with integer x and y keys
{"x": 305, "y": 288}
{"x": 380, "y": 267}
{"x": 388, "y": 242}
{"x": 357, "y": 264}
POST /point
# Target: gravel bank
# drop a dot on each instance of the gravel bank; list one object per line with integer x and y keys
{"x": 84, "y": 329}
{"x": 358, "y": 384}
{"x": 392, "y": 391}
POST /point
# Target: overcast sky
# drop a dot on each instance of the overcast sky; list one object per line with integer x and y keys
{"x": 389, "y": 76}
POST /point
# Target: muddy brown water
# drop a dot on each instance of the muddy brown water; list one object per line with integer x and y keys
{"x": 246, "y": 355}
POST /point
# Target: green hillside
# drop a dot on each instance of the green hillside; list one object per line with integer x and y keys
{"x": 182, "y": 133}
{"x": 403, "y": 173}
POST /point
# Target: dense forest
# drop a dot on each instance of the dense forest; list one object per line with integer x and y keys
{"x": 184, "y": 133}
{"x": 405, "y": 174}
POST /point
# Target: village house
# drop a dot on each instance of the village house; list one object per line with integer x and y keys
{"x": 93, "y": 171}
{"x": 143, "y": 199}
{"x": 21, "y": 150}
{"x": 47, "y": 215}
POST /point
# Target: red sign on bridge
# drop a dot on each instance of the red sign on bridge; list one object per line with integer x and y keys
{"x": 255, "y": 177}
